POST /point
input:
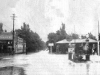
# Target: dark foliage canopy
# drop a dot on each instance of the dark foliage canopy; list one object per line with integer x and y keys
{"x": 33, "y": 40}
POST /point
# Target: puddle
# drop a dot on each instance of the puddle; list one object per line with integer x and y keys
{"x": 11, "y": 70}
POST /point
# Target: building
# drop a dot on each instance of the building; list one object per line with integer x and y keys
{"x": 6, "y": 43}
{"x": 62, "y": 46}
{"x": 20, "y": 45}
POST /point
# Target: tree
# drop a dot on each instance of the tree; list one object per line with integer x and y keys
{"x": 91, "y": 36}
{"x": 59, "y": 35}
{"x": 69, "y": 37}
{"x": 63, "y": 32}
{"x": 52, "y": 37}
{"x": 1, "y": 29}
{"x": 33, "y": 40}
{"x": 75, "y": 36}
{"x": 83, "y": 37}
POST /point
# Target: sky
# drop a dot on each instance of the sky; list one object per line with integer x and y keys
{"x": 46, "y": 16}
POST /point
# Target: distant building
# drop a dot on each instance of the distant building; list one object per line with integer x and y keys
{"x": 6, "y": 43}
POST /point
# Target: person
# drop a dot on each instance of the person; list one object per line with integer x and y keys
{"x": 86, "y": 48}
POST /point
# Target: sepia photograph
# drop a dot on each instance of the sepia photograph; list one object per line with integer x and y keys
{"x": 49, "y": 37}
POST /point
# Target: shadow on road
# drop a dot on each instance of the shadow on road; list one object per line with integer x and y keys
{"x": 11, "y": 70}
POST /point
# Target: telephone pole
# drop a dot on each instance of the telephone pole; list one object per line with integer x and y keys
{"x": 13, "y": 18}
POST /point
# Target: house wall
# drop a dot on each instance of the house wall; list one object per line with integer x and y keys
{"x": 62, "y": 48}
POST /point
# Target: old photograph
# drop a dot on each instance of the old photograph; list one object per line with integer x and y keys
{"x": 49, "y": 37}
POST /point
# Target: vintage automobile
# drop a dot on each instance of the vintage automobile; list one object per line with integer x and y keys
{"x": 81, "y": 49}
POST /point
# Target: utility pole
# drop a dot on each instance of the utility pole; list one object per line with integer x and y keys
{"x": 13, "y": 17}
{"x": 98, "y": 37}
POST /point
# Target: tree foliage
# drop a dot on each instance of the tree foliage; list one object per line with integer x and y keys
{"x": 61, "y": 34}
{"x": 52, "y": 37}
{"x": 75, "y": 36}
{"x": 1, "y": 29}
{"x": 83, "y": 37}
{"x": 91, "y": 36}
{"x": 33, "y": 40}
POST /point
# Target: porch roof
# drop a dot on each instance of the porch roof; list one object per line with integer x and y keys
{"x": 83, "y": 41}
{"x": 62, "y": 41}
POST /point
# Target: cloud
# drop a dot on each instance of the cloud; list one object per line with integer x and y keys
{"x": 6, "y": 11}
{"x": 33, "y": 13}
{"x": 45, "y": 16}
{"x": 83, "y": 14}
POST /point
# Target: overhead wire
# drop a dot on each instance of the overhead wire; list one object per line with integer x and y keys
{"x": 10, "y": 28}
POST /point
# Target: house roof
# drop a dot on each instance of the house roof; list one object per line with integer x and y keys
{"x": 83, "y": 41}
{"x": 9, "y": 36}
{"x": 62, "y": 41}
{"x": 77, "y": 41}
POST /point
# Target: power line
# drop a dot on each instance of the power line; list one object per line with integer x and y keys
{"x": 8, "y": 27}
